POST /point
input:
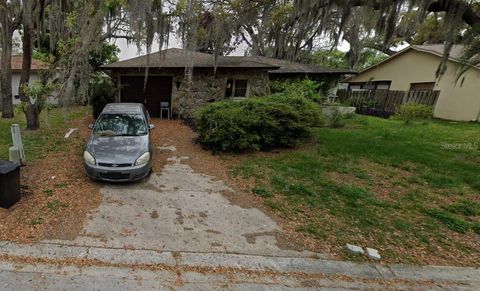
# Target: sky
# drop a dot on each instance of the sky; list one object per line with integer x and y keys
{"x": 128, "y": 51}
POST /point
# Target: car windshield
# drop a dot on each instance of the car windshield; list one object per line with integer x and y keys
{"x": 120, "y": 124}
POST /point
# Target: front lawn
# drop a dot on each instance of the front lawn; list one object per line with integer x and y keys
{"x": 39, "y": 142}
{"x": 56, "y": 194}
{"x": 411, "y": 191}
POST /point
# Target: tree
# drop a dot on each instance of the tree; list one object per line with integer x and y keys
{"x": 330, "y": 58}
{"x": 10, "y": 18}
{"x": 338, "y": 59}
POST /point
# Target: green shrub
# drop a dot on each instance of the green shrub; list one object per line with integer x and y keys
{"x": 102, "y": 91}
{"x": 257, "y": 123}
{"x": 410, "y": 112}
{"x": 336, "y": 119}
{"x": 305, "y": 88}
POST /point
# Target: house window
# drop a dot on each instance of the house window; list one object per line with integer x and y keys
{"x": 382, "y": 85}
{"x": 236, "y": 88}
{"x": 373, "y": 85}
{"x": 354, "y": 86}
{"x": 369, "y": 86}
{"x": 425, "y": 86}
{"x": 17, "y": 97}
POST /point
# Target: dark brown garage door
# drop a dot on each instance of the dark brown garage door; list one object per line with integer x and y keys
{"x": 158, "y": 89}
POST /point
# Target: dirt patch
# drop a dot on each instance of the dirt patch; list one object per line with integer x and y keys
{"x": 213, "y": 231}
{"x": 180, "y": 218}
{"x": 154, "y": 214}
{"x": 56, "y": 194}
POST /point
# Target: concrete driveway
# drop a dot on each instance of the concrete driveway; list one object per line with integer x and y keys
{"x": 178, "y": 209}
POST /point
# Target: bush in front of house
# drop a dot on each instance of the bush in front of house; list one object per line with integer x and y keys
{"x": 410, "y": 112}
{"x": 257, "y": 123}
{"x": 102, "y": 91}
{"x": 307, "y": 88}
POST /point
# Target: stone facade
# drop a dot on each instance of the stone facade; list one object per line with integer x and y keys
{"x": 205, "y": 85}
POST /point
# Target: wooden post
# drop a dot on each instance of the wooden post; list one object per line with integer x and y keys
{"x": 17, "y": 141}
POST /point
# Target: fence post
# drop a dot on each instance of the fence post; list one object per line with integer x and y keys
{"x": 17, "y": 140}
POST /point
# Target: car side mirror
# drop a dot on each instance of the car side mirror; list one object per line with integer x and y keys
{"x": 151, "y": 126}
{"x": 90, "y": 126}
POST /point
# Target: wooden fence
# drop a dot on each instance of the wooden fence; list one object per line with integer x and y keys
{"x": 384, "y": 102}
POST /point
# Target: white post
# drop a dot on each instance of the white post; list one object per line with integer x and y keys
{"x": 17, "y": 140}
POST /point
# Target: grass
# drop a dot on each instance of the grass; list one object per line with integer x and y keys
{"x": 405, "y": 189}
{"x": 39, "y": 142}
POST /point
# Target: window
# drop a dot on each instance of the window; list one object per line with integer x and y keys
{"x": 17, "y": 97}
{"x": 425, "y": 86}
{"x": 373, "y": 85}
{"x": 369, "y": 86}
{"x": 240, "y": 88}
{"x": 236, "y": 88}
{"x": 382, "y": 85}
{"x": 120, "y": 124}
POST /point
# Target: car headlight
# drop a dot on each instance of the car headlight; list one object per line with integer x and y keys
{"x": 89, "y": 159}
{"x": 143, "y": 159}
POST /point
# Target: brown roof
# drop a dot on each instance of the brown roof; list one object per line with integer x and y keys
{"x": 288, "y": 67}
{"x": 180, "y": 58}
{"x": 36, "y": 64}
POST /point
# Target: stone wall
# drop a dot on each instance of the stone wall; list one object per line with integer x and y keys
{"x": 205, "y": 86}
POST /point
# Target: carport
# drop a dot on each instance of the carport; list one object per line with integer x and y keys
{"x": 156, "y": 89}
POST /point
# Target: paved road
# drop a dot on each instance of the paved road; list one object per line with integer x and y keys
{"x": 177, "y": 231}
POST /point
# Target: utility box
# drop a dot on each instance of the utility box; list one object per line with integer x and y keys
{"x": 9, "y": 183}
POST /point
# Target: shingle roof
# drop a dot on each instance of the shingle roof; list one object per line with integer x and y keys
{"x": 288, "y": 67}
{"x": 36, "y": 64}
{"x": 180, "y": 58}
{"x": 456, "y": 52}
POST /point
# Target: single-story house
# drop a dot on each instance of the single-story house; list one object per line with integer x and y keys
{"x": 414, "y": 67}
{"x": 37, "y": 67}
{"x": 227, "y": 77}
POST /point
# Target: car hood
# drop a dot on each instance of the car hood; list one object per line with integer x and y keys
{"x": 118, "y": 149}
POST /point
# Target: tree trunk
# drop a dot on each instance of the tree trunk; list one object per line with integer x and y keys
{"x": 29, "y": 111}
{"x": 6, "y": 64}
{"x": 32, "y": 113}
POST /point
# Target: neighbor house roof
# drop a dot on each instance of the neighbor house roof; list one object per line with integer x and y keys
{"x": 17, "y": 61}
{"x": 455, "y": 54}
{"x": 289, "y": 67}
{"x": 180, "y": 58}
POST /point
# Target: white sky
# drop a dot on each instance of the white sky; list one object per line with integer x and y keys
{"x": 128, "y": 51}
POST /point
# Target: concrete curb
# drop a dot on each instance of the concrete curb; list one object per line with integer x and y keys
{"x": 243, "y": 262}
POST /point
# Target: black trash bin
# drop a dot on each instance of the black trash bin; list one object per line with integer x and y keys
{"x": 9, "y": 183}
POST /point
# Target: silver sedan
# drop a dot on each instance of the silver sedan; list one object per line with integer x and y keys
{"x": 120, "y": 148}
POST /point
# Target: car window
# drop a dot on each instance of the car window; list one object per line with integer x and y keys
{"x": 120, "y": 124}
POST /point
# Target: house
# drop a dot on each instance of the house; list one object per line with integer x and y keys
{"x": 36, "y": 68}
{"x": 168, "y": 79}
{"x": 414, "y": 68}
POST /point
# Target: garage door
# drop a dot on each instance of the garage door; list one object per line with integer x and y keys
{"x": 158, "y": 89}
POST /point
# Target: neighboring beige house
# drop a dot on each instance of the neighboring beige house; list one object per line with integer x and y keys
{"x": 414, "y": 69}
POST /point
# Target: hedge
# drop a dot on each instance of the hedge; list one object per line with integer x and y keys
{"x": 257, "y": 123}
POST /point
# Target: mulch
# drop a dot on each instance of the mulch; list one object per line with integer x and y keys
{"x": 56, "y": 194}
